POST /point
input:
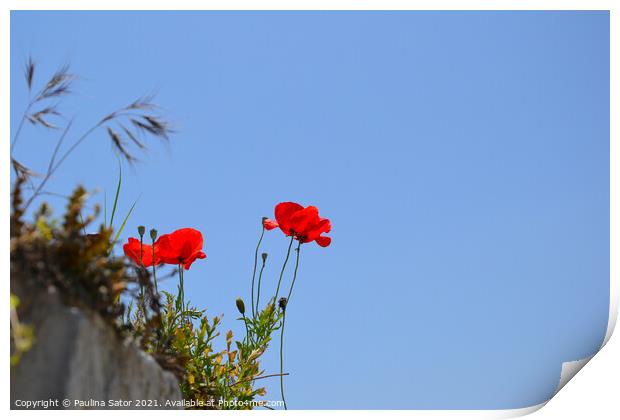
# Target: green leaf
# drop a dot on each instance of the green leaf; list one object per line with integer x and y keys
{"x": 118, "y": 190}
{"x": 105, "y": 208}
{"x": 120, "y": 230}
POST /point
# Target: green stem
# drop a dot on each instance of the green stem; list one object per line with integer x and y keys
{"x": 141, "y": 261}
{"x": 141, "y": 285}
{"x": 154, "y": 269}
{"x": 260, "y": 277}
{"x": 298, "y": 249}
{"x": 254, "y": 270}
{"x": 181, "y": 290}
{"x": 282, "y": 358}
{"x": 247, "y": 330}
{"x": 288, "y": 253}
{"x": 288, "y": 298}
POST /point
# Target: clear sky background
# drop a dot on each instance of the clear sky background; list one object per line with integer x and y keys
{"x": 462, "y": 157}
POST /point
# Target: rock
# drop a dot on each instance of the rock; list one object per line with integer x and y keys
{"x": 76, "y": 356}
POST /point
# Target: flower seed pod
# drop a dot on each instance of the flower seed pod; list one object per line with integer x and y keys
{"x": 153, "y": 233}
{"x": 264, "y": 255}
{"x": 141, "y": 230}
{"x": 240, "y": 306}
{"x": 282, "y": 303}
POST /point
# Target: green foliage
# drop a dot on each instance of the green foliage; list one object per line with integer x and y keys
{"x": 114, "y": 205}
{"x": 221, "y": 379}
{"x": 52, "y": 253}
{"x": 47, "y": 252}
{"x": 55, "y": 253}
{"x": 118, "y": 190}
{"x": 22, "y": 336}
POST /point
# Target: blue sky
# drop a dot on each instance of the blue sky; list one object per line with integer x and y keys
{"x": 463, "y": 158}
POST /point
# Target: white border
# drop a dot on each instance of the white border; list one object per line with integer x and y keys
{"x": 310, "y": 5}
{"x": 569, "y": 369}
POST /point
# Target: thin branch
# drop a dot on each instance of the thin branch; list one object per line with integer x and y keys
{"x": 76, "y": 144}
{"x": 64, "y": 156}
{"x": 58, "y": 144}
{"x": 259, "y": 377}
{"x": 58, "y": 85}
{"x": 50, "y": 169}
{"x": 59, "y": 195}
{"x": 19, "y": 127}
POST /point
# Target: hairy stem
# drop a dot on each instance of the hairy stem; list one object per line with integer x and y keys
{"x": 181, "y": 291}
{"x": 288, "y": 298}
{"x": 288, "y": 253}
{"x": 247, "y": 330}
{"x": 254, "y": 270}
{"x": 260, "y": 277}
{"x": 298, "y": 249}
{"x": 282, "y": 358}
{"x": 154, "y": 269}
{"x": 142, "y": 301}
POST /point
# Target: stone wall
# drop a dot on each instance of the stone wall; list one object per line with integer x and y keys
{"x": 77, "y": 356}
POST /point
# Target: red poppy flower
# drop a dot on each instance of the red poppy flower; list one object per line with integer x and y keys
{"x": 269, "y": 224}
{"x": 182, "y": 246}
{"x": 132, "y": 251}
{"x": 304, "y": 223}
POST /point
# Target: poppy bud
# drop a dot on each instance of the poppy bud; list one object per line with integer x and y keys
{"x": 141, "y": 230}
{"x": 240, "y": 305}
{"x": 153, "y": 233}
{"x": 264, "y": 255}
{"x": 282, "y": 303}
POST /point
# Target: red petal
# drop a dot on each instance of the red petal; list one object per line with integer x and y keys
{"x": 322, "y": 226}
{"x": 200, "y": 255}
{"x": 323, "y": 241}
{"x": 132, "y": 251}
{"x": 181, "y": 246}
{"x": 284, "y": 212}
{"x": 303, "y": 220}
{"x": 167, "y": 252}
{"x": 270, "y": 224}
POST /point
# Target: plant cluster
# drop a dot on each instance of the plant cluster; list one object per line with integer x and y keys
{"x": 228, "y": 375}
{"x": 48, "y": 252}
{"x": 124, "y": 289}
{"x": 220, "y": 379}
